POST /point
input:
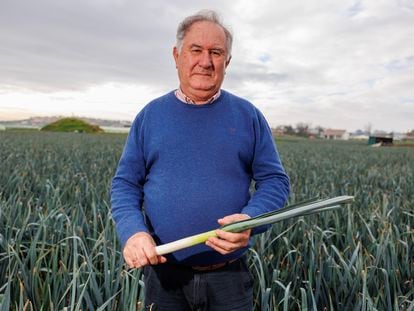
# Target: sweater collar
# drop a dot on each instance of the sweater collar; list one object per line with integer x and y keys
{"x": 185, "y": 99}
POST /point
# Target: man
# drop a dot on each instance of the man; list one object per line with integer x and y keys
{"x": 188, "y": 163}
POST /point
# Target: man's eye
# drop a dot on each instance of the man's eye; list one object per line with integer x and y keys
{"x": 216, "y": 53}
{"x": 196, "y": 51}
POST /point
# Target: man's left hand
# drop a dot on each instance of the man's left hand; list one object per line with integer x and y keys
{"x": 227, "y": 242}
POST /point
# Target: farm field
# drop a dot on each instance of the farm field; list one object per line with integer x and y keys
{"x": 59, "y": 250}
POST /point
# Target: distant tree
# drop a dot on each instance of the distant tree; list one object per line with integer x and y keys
{"x": 320, "y": 130}
{"x": 289, "y": 130}
{"x": 302, "y": 129}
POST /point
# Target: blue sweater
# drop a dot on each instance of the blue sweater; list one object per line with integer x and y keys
{"x": 185, "y": 166}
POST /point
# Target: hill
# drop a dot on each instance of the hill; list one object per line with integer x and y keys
{"x": 39, "y": 122}
{"x": 71, "y": 125}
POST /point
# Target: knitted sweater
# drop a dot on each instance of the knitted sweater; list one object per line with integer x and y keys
{"x": 185, "y": 166}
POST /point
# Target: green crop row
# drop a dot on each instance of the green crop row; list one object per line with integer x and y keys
{"x": 59, "y": 250}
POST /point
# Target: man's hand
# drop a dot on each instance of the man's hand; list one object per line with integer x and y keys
{"x": 227, "y": 242}
{"x": 139, "y": 251}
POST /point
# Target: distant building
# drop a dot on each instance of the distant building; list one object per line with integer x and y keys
{"x": 409, "y": 137}
{"x": 335, "y": 134}
{"x": 314, "y": 132}
{"x": 279, "y": 131}
{"x": 398, "y": 136}
{"x": 359, "y": 137}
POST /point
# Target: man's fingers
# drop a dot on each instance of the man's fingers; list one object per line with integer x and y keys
{"x": 238, "y": 238}
{"x": 232, "y": 218}
{"x": 129, "y": 258}
{"x": 227, "y": 242}
{"x": 151, "y": 255}
{"x": 138, "y": 262}
{"x": 223, "y": 244}
{"x": 134, "y": 258}
{"x": 140, "y": 251}
{"x": 142, "y": 261}
{"x": 211, "y": 243}
{"x": 129, "y": 262}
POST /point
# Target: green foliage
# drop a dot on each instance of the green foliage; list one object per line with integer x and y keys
{"x": 71, "y": 125}
{"x": 58, "y": 246}
{"x": 360, "y": 258}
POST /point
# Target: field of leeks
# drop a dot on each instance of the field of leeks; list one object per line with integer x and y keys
{"x": 59, "y": 250}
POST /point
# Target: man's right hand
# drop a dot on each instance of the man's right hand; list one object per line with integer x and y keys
{"x": 139, "y": 251}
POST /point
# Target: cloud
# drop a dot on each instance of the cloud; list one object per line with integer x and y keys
{"x": 60, "y": 45}
{"x": 325, "y": 48}
{"x": 56, "y": 45}
{"x": 337, "y": 64}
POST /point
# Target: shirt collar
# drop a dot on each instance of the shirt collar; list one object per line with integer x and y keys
{"x": 185, "y": 99}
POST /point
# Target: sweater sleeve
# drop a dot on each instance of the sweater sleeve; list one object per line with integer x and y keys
{"x": 127, "y": 186}
{"x": 271, "y": 182}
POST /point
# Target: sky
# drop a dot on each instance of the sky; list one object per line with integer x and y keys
{"x": 337, "y": 64}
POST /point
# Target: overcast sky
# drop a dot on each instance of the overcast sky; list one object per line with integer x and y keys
{"x": 338, "y": 64}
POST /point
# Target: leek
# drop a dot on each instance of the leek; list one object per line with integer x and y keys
{"x": 299, "y": 209}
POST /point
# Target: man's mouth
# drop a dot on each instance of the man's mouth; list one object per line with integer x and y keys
{"x": 206, "y": 74}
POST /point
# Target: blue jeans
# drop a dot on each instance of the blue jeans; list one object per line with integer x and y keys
{"x": 173, "y": 287}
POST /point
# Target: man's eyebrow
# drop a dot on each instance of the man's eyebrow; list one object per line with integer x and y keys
{"x": 218, "y": 49}
{"x": 211, "y": 49}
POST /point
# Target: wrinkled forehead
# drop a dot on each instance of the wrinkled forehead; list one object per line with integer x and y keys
{"x": 206, "y": 34}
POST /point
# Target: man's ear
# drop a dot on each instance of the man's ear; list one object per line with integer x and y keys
{"x": 228, "y": 61}
{"x": 175, "y": 54}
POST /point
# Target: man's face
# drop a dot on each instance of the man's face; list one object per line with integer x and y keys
{"x": 202, "y": 61}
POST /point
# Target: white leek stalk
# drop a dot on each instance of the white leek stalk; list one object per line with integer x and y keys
{"x": 300, "y": 209}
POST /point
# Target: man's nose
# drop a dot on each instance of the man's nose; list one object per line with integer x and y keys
{"x": 205, "y": 60}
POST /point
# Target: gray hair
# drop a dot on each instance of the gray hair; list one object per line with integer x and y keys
{"x": 204, "y": 15}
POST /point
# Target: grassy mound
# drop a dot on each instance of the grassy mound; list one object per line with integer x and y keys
{"x": 72, "y": 125}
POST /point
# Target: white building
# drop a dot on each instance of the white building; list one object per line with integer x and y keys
{"x": 335, "y": 134}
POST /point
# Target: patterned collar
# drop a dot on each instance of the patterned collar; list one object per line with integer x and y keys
{"x": 185, "y": 99}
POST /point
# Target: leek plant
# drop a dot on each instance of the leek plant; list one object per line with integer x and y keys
{"x": 59, "y": 249}
{"x": 299, "y": 209}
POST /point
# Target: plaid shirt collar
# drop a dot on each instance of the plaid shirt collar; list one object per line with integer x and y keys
{"x": 185, "y": 99}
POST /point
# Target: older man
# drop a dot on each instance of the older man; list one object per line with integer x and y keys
{"x": 188, "y": 162}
